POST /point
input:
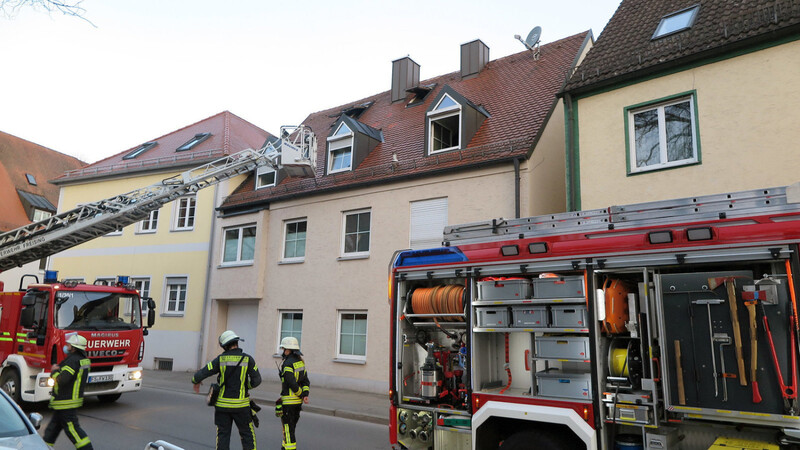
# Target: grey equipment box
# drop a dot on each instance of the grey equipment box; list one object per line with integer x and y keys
{"x": 500, "y": 289}
{"x": 562, "y": 347}
{"x": 569, "y": 316}
{"x": 558, "y": 287}
{"x": 554, "y": 383}
{"x": 493, "y": 317}
{"x": 530, "y": 316}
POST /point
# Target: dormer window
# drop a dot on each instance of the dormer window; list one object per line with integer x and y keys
{"x": 191, "y": 143}
{"x": 340, "y": 149}
{"x": 676, "y": 22}
{"x": 31, "y": 179}
{"x": 444, "y": 124}
{"x": 140, "y": 149}
{"x": 265, "y": 177}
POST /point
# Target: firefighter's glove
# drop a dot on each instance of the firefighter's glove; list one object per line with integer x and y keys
{"x": 255, "y": 418}
{"x": 278, "y": 409}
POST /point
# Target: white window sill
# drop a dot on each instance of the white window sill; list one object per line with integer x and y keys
{"x": 350, "y": 361}
{"x": 352, "y": 257}
{"x": 181, "y": 229}
{"x": 235, "y": 264}
{"x": 146, "y": 232}
{"x": 172, "y": 314}
{"x": 291, "y": 261}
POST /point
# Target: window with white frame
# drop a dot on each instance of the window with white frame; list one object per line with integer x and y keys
{"x": 40, "y": 214}
{"x": 175, "y": 294}
{"x": 356, "y": 233}
{"x": 184, "y": 213}
{"x": 105, "y": 281}
{"x": 291, "y": 325}
{"x": 444, "y": 125}
{"x": 352, "y": 342}
{"x": 239, "y": 245}
{"x": 149, "y": 224}
{"x": 294, "y": 242}
{"x": 340, "y": 149}
{"x": 265, "y": 177}
{"x": 676, "y": 22}
{"x": 428, "y": 219}
{"x": 662, "y": 135}
{"x": 141, "y": 284}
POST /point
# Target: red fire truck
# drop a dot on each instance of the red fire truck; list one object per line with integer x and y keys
{"x": 661, "y": 325}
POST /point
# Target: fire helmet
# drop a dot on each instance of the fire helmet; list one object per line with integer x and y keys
{"x": 290, "y": 343}
{"x": 77, "y": 341}
{"x": 228, "y": 337}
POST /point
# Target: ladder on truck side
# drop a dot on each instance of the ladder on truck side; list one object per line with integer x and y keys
{"x": 92, "y": 220}
{"x": 778, "y": 200}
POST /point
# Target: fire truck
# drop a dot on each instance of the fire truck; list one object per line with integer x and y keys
{"x": 35, "y": 322}
{"x": 660, "y": 325}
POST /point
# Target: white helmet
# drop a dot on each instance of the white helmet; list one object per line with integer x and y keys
{"x": 228, "y": 337}
{"x": 77, "y": 341}
{"x": 290, "y": 343}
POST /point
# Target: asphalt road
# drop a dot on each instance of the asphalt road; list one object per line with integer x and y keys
{"x": 184, "y": 420}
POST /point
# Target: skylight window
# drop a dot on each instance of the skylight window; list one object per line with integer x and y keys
{"x": 343, "y": 130}
{"x": 676, "y": 22}
{"x": 31, "y": 179}
{"x": 140, "y": 149}
{"x": 198, "y": 138}
{"x": 446, "y": 103}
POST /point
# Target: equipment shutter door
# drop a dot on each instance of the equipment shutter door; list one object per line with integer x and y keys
{"x": 243, "y": 320}
{"x": 428, "y": 219}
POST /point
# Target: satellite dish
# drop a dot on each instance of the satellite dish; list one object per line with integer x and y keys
{"x": 533, "y": 37}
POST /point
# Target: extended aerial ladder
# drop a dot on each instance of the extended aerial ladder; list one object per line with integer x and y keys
{"x": 294, "y": 152}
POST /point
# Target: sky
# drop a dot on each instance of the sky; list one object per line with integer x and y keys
{"x": 149, "y": 67}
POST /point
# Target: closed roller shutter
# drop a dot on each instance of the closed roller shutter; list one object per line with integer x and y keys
{"x": 428, "y": 219}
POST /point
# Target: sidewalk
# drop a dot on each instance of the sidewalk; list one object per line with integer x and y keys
{"x": 342, "y": 403}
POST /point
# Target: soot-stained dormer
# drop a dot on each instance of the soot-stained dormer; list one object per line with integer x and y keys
{"x": 451, "y": 121}
{"x": 349, "y": 142}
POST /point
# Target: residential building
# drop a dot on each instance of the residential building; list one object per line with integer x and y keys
{"x": 167, "y": 254}
{"x": 681, "y": 98}
{"x": 27, "y": 195}
{"x": 392, "y": 170}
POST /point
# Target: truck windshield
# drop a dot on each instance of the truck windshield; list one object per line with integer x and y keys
{"x": 85, "y": 310}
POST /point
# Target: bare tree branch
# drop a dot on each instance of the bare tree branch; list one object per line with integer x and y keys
{"x": 10, "y": 8}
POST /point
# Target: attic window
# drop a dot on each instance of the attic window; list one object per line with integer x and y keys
{"x": 198, "y": 138}
{"x": 31, "y": 179}
{"x": 141, "y": 149}
{"x": 343, "y": 130}
{"x": 355, "y": 111}
{"x": 444, "y": 125}
{"x": 420, "y": 92}
{"x": 265, "y": 177}
{"x": 676, "y": 22}
{"x": 340, "y": 149}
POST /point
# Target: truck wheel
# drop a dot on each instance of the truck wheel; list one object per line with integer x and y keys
{"x": 9, "y": 382}
{"x": 109, "y": 398}
{"x": 543, "y": 441}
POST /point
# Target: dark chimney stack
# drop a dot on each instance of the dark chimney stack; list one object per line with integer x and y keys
{"x": 474, "y": 55}
{"x": 405, "y": 75}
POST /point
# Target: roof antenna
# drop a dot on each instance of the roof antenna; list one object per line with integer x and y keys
{"x": 532, "y": 41}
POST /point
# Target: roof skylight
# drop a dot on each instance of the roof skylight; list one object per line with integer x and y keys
{"x": 676, "y": 22}
{"x": 140, "y": 149}
{"x": 198, "y": 138}
{"x": 31, "y": 179}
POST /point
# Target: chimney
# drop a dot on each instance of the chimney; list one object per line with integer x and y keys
{"x": 405, "y": 75}
{"x": 474, "y": 55}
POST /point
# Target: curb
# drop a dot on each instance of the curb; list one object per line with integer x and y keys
{"x": 340, "y": 413}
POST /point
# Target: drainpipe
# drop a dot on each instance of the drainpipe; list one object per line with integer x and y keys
{"x": 516, "y": 189}
{"x": 206, "y": 301}
{"x": 570, "y": 182}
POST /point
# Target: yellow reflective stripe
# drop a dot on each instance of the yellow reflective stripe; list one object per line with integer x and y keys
{"x": 68, "y": 369}
{"x": 210, "y": 366}
{"x": 253, "y": 433}
{"x": 242, "y": 379}
{"x": 299, "y": 365}
{"x": 76, "y": 437}
{"x": 6, "y": 339}
{"x": 290, "y": 400}
{"x": 288, "y": 369}
{"x": 232, "y": 403}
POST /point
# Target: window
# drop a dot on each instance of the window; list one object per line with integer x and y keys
{"x": 198, "y": 138}
{"x": 149, "y": 224}
{"x": 239, "y": 245}
{"x": 184, "y": 216}
{"x": 175, "y": 295}
{"x": 291, "y": 325}
{"x": 143, "y": 286}
{"x": 662, "y": 135}
{"x": 265, "y": 176}
{"x": 140, "y": 149}
{"x": 356, "y": 232}
{"x": 40, "y": 214}
{"x": 294, "y": 244}
{"x": 428, "y": 219}
{"x": 676, "y": 22}
{"x": 105, "y": 281}
{"x": 444, "y": 125}
{"x": 340, "y": 149}
{"x": 31, "y": 179}
{"x": 352, "y": 342}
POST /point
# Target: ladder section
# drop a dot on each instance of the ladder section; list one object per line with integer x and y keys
{"x": 755, "y": 202}
{"x": 86, "y": 222}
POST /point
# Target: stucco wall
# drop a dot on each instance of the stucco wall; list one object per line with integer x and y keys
{"x": 747, "y": 121}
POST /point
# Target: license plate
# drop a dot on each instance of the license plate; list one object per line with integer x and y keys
{"x": 101, "y": 378}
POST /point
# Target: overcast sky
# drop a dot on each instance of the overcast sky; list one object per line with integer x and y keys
{"x": 153, "y": 66}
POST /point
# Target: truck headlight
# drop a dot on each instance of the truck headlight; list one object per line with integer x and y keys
{"x": 135, "y": 375}
{"x": 46, "y": 382}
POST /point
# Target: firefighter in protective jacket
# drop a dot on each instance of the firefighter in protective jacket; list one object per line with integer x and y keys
{"x": 294, "y": 390}
{"x": 237, "y": 373}
{"x": 69, "y": 379}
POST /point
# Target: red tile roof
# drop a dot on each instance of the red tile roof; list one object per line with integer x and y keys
{"x": 518, "y": 92}
{"x": 19, "y": 157}
{"x": 229, "y": 134}
{"x": 624, "y": 51}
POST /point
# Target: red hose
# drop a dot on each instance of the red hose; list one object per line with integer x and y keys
{"x": 508, "y": 368}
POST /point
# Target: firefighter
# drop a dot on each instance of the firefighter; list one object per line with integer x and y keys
{"x": 69, "y": 380}
{"x": 294, "y": 390}
{"x": 237, "y": 373}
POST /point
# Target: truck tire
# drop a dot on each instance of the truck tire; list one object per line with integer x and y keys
{"x": 542, "y": 441}
{"x": 9, "y": 382}
{"x": 109, "y": 398}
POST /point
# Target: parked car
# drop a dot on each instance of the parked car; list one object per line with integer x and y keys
{"x": 16, "y": 429}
